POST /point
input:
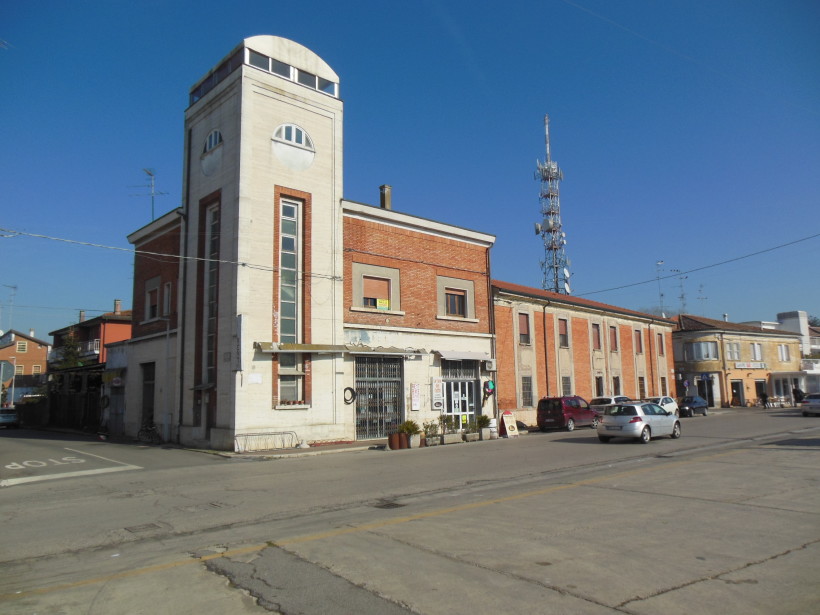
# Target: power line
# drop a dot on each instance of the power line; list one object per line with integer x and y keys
{"x": 680, "y": 273}
{"x": 148, "y": 254}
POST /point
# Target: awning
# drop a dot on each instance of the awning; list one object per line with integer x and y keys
{"x": 385, "y": 350}
{"x": 274, "y": 348}
{"x": 460, "y": 355}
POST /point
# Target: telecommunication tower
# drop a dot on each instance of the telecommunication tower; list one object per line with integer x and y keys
{"x": 555, "y": 264}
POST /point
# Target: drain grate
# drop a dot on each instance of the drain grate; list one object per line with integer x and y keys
{"x": 146, "y": 527}
{"x": 387, "y": 504}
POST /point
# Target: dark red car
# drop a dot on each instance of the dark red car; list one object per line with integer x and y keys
{"x": 565, "y": 413}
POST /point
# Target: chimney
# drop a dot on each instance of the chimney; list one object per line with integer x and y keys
{"x": 117, "y": 307}
{"x": 725, "y": 318}
{"x": 386, "y": 200}
{"x": 31, "y": 332}
{"x": 82, "y": 315}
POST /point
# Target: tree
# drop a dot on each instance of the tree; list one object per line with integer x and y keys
{"x": 814, "y": 321}
{"x": 69, "y": 351}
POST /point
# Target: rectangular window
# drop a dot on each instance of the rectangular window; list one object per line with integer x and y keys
{"x": 757, "y": 352}
{"x": 376, "y": 293}
{"x": 613, "y": 340}
{"x": 638, "y": 344}
{"x": 526, "y": 391}
{"x": 783, "y": 352}
{"x": 166, "y": 299}
{"x": 288, "y": 273}
{"x": 664, "y": 390}
{"x": 599, "y": 386}
{"x": 305, "y": 78}
{"x": 280, "y": 68}
{"x": 258, "y": 60}
{"x": 455, "y": 302}
{"x": 566, "y": 385}
{"x": 733, "y": 351}
{"x": 661, "y": 350}
{"x": 153, "y": 303}
{"x": 36, "y": 369}
{"x": 22, "y": 346}
{"x": 523, "y": 328}
{"x": 700, "y": 351}
{"x": 641, "y": 387}
{"x": 18, "y": 370}
{"x": 563, "y": 333}
{"x": 596, "y": 340}
{"x": 616, "y": 385}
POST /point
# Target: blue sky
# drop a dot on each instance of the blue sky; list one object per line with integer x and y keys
{"x": 688, "y": 132}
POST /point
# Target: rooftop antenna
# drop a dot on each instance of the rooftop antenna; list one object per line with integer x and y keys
{"x": 11, "y": 304}
{"x": 682, "y": 295}
{"x": 658, "y": 271}
{"x": 555, "y": 265}
{"x": 152, "y": 177}
{"x": 702, "y": 298}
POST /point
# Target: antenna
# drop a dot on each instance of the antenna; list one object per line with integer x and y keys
{"x": 152, "y": 176}
{"x": 555, "y": 265}
{"x": 682, "y": 295}
{"x": 11, "y": 304}
{"x": 702, "y": 298}
{"x": 658, "y": 271}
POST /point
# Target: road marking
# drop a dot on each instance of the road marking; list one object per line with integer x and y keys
{"x": 343, "y": 531}
{"x": 8, "y": 482}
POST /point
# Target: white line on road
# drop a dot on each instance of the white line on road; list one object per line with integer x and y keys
{"x": 32, "y": 479}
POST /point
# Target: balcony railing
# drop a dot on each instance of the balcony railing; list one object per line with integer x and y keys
{"x": 810, "y": 365}
{"x": 90, "y": 347}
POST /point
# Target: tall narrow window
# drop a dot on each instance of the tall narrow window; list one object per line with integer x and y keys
{"x": 613, "y": 340}
{"x": 664, "y": 390}
{"x": 566, "y": 385}
{"x": 616, "y": 385}
{"x": 523, "y": 328}
{"x": 733, "y": 351}
{"x": 757, "y": 352}
{"x": 455, "y": 302}
{"x": 212, "y": 286}
{"x": 638, "y": 344}
{"x": 641, "y": 387}
{"x": 596, "y": 340}
{"x": 783, "y": 352}
{"x": 288, "y": 252}
{"x": 166, "y": 299}
{"x": 526, "y": 391}
{"x": 599, "y": 386}
{"x": 563, "y": 333}
{"x": 291, "y": 374}
{"x": 661, "y": 350}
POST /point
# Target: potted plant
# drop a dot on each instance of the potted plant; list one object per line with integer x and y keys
{"x": 412, "y": 432}
{"x": 483, "y": 424}
{"x": 471, "y": 432}
{"x": 431, "y": 437}
{"x": 448, "y": 430}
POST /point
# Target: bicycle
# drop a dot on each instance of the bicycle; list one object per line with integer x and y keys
{"x": 149, "y": 434}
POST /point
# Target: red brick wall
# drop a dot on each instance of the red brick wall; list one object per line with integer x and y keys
{"x": 420, "y": 258}
{"x": 148, "y": 266}
{"x": 505, "y": 345}
{"x": 629, "y": 384}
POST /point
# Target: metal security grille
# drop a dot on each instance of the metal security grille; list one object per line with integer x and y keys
{"x": 459, "y": 370}
{"x": 378, "y": 396}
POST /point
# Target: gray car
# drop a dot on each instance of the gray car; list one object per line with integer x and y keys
{"x": 9, "y": 418}
{"x": 642, "y": 421}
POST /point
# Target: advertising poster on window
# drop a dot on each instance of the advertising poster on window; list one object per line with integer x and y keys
{"x": 415, "y": 396}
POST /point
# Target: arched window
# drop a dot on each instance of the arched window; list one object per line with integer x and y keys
{"x": 214, "y": 139}
{"x": 290, "y": 133}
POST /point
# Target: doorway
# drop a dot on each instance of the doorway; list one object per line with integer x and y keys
{"x": 460, "y": 391}
{"x": 738, "y": 398}
{"x": 148, "y": 385}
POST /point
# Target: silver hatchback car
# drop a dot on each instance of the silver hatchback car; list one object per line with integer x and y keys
{"x": 642, "y": 421}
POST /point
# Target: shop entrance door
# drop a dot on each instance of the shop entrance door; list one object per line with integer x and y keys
{"x": 738, "y": 398}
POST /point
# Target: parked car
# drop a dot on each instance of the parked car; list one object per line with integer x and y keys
{"x": 667, "y": 403}
{"x": 599, "y": 403}
{"x": 9, "y": 417}
{"x": 692, "y": 405}
{"x": 641, "y": 420}
{"x": 811, "y": 404}
{"x": 565, "y": 413}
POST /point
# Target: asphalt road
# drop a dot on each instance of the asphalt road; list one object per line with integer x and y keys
{"x": 725, "y": 519}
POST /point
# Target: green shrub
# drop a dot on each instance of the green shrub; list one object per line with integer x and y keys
{"x": 409, "y": 427}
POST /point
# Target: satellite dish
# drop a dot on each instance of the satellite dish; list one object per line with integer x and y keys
{"x": 566, "y": 288}
{"x": 566, "y": 273}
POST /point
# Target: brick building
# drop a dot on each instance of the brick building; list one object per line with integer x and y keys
{"x": 549, "y": 344}
{"x": 26, "y": 358}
